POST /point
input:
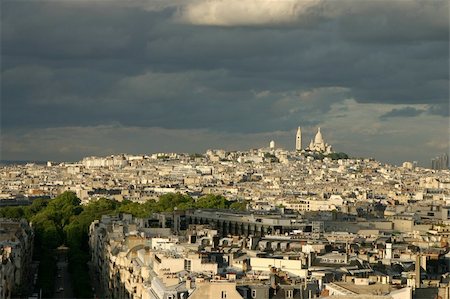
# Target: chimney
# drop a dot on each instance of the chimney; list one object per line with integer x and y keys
{"x": 189, "y": 283}
{"x": 417, "y": 271}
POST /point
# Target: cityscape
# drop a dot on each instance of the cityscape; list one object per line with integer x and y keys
{"x": 225, "y": 149}
{"x": 304, "y": 223}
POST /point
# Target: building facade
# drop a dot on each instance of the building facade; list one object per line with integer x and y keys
{"x": 16, "y": 251}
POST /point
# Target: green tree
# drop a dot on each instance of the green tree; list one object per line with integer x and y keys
{"x": 168, "y": 202}
{"x": 337, "y": 156}
{"x": 238, "y": 205}
{"x": 134, "y": 208}
{"x": 212, "y": 201}
{"x": 12, "y": 212}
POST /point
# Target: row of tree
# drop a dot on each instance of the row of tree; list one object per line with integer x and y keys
{"x": 63, "y": 220}
{"x": 332, "y": 156}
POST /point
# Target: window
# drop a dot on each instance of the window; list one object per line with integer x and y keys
{"x": 289, "y": 294}
{"x": 253, "y": 293}
{"x": 224, "y": 294}
{"x": 187, "y": 265}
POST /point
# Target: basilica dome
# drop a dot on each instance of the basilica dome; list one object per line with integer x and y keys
{"x": 318, "y": 139}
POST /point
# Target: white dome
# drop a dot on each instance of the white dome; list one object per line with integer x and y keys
{"x": 318, "y": 139}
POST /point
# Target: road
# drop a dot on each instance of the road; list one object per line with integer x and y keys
{"x": 63, "y": 285}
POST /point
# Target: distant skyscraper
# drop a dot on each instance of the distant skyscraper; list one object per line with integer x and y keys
{"x": 440, "y": 162}
{"x": 272, "y": 145}
{"x": 298, "y": 139}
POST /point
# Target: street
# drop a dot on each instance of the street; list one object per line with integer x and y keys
{"x": 63, "y": 286}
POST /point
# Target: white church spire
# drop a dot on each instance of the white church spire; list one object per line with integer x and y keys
{"x": 298, "y": 139}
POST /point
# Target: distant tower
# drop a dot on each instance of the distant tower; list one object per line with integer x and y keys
{"x": 272, "y": 144}
{"x": 440, "y": 162}
{"x": 298, "y": 139}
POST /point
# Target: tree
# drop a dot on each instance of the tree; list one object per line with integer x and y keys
{"x": 168, "y": 202}
{"x": 212, "y": 201}
{"x": 134, "y": 208}
{"x": 238, "y": 205}
{"x": 12, "y": 212}
{"x": 337, "y": 156}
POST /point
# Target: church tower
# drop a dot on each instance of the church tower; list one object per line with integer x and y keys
{"x": 298, "y": 139}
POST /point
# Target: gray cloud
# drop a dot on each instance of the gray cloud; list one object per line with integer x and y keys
{"x": 147, "y": 64}
{"x": 402, "y": 112}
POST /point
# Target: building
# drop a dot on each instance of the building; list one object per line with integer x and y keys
{"x": 319, "y": 145}
{"x": 244, "y": 223}
{"x": 16, "y": 251}
{"x": 136, "y": 261}
{"x": 222, "y": 289}
{"x": 440, "y": 162}
{"x": 298, "y": 139}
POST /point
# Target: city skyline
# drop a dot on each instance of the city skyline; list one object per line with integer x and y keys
{"x": 100, "y": 78}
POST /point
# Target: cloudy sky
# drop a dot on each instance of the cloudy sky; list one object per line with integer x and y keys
{"x": 140, "y": 76}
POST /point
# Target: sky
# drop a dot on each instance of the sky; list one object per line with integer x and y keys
{"x": 82, "y": 78}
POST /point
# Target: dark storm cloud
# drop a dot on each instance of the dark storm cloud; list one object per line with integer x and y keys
{"x": 402, "y": 112}
{"x": 392, "y": 22}
{"x": 152, "y": 64}
{"x": 58, "y": 31}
